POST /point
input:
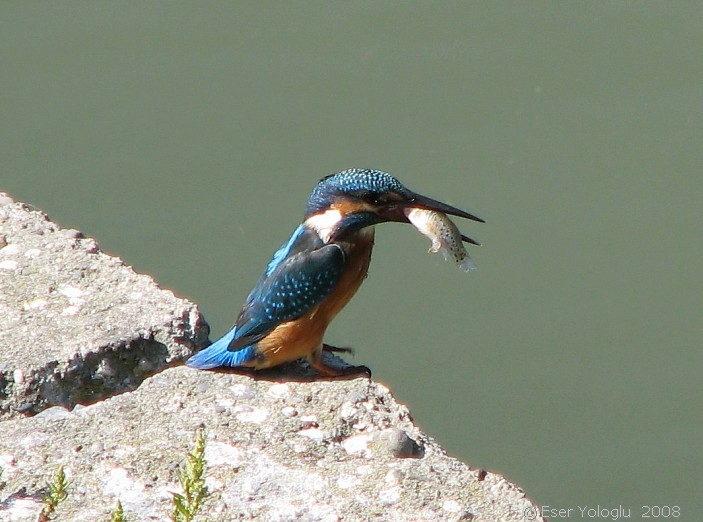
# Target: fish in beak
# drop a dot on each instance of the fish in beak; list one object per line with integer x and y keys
{"x": 399, "y": 211}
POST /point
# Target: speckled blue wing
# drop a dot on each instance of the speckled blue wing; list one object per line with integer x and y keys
{"x": 298, "y": 280}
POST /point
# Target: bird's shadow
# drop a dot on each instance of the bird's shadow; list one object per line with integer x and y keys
{"x": 300, "y": 371}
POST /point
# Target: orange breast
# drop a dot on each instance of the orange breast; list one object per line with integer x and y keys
{"x": 303, "y": 336}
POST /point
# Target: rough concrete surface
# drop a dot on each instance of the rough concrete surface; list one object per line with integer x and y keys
{"x": 280, "y": 446}
{"x": 77, "y": 325}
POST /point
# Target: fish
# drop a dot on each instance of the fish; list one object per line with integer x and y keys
{"x": 443, "y": 234}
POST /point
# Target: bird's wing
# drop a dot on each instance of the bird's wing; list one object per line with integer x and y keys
{"x": 295, "y": 281}
{"x": 285, "y": 251}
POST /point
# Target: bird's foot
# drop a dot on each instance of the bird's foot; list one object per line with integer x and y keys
{"x": 330, "y": 371}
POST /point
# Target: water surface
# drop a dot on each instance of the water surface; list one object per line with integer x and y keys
{"x": 186, "y": 137}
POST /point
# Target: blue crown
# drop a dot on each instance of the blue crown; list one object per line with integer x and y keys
{"x": 351, "y": 181}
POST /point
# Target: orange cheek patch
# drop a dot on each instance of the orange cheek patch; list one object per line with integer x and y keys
{"x": 346, "y": 206}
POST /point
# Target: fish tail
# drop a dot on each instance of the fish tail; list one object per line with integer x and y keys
{"x": 467, "y": 264}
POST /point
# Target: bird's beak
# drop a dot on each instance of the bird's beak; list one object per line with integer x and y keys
{"x": 396, "y": 211}
{"x": 419, "y": 201}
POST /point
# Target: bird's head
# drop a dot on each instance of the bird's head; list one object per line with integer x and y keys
{"x": 356, "y": 198}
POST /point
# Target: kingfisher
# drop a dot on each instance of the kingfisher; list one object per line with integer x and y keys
{"x": 315, "y": 274}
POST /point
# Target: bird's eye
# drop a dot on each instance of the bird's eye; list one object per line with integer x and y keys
{"x": 375, "y": 198}
{"x": 371, "y": 197}
{"x": 368, "y": 196}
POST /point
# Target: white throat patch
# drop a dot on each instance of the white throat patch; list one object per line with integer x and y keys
{"x": 325, "y": 223}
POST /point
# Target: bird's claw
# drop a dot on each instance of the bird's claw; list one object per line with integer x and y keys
{"x": 337, "y": 349}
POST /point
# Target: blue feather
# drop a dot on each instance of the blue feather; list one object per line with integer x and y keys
{"x": 350, "y": 181}
{"x": 298, "y": 284}
{"x": 217, "y": 354}
{"x": 283, "y": 252}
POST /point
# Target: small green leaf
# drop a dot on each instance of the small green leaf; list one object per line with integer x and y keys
{"x": 58, "y": 492}
{"x": 190, "y": 476}
{"x": 118, "y": 515}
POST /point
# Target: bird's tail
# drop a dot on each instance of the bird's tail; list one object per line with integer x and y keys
{"x": 217, "y": 354}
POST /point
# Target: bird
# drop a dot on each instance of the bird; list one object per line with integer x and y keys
{"x": 315, "y": 274}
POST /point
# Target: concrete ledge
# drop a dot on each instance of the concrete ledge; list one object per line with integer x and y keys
{"x": 78, "y": 327}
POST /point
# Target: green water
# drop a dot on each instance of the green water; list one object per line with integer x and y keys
{"x": 186, "y": 137}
